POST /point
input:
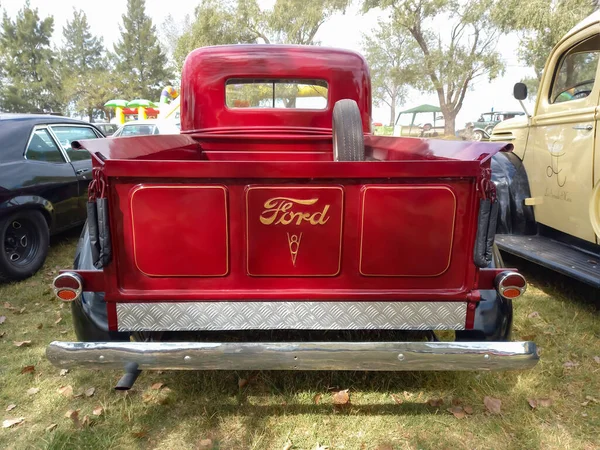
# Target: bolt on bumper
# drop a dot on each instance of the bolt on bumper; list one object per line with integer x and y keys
{"x": 392, "y": 356}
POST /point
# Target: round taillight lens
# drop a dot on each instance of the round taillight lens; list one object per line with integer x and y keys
{"x": 510, "y": 285}
{"x": 68, "y": 286}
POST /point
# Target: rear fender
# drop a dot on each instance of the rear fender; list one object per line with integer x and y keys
{"x": 29, "y": 201}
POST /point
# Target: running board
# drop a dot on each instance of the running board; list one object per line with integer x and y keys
{"x": 554, "y": 255}
{"x": 395, "y": 356}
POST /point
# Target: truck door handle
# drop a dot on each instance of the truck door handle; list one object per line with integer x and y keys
{"x": 80, "y": 171}
{"x": 583, "y": 127}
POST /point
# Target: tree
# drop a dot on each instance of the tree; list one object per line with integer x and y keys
{"x": 30, "y": 68}
{"x": 243, "y": 21}
{"x": 391, "y": 55}
{"x": 450, "y": 64}
{"x": 540, "y": 25}
{"x": 83, "y": 62}
{"x": 140, "y": 64}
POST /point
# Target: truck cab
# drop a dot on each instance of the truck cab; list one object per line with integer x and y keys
{"x": 555, "y": 186}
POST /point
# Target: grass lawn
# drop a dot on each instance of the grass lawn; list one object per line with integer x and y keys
{"x": 270, "y": 410}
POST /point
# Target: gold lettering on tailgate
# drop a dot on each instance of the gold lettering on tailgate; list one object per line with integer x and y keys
{"x": 280, "y": 210}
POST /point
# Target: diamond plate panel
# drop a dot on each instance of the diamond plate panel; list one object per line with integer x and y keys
{"x": 196, "y": 316}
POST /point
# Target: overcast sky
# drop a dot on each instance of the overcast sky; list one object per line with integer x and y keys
{"x": 342, "y": 31}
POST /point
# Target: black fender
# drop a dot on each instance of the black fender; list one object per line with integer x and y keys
{"x": 512, "y": 188}
{"x": 493, "y": 314}
{"x": 21, "y": 202}
{"x": 90, "y": 318}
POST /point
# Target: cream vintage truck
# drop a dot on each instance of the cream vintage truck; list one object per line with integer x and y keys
{"x": 549, "y": 186}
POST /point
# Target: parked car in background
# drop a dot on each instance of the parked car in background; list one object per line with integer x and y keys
{"x": 147, "y": 127}
{"x": 107, "y": 129}
{"x": 549, "y": 186}
{"x": 43, "y": 186}
{"x": 482, "y": 128}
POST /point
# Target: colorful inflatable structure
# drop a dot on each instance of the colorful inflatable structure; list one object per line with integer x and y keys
{"x": 145, "y": 109}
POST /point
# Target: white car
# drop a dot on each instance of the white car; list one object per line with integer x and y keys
{"x": 147, "y": 127}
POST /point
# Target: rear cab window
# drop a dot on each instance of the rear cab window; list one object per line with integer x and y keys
{"x": 576, "y": 72}
{"x": 276, "y": 93}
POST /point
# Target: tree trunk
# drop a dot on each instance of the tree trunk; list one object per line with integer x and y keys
{"x": 393, "y": 112}
{"x": 90, "y": 115}
{"x": 449, "y": 123}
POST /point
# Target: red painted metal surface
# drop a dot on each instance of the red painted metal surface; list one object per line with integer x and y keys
{"x": 207, "y": 69}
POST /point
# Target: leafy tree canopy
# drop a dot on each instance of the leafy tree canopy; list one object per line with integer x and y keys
{"x": 29, "y": 64}
{"x": 140, "y": 64}
{"x": 449, "y": 63}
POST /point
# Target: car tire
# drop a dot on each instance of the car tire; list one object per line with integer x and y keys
{"x": 348, "y": 139}
{"x": 24, "y": 241}
{"x": 478, "y": 135}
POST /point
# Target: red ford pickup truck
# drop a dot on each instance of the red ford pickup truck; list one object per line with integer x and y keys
{"x": 277, "y": 209}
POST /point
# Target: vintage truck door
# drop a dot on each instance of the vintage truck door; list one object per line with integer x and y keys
{"x": 560, "y": 155}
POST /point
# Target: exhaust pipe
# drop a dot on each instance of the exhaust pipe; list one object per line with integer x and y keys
{"x": 131, "y": 374}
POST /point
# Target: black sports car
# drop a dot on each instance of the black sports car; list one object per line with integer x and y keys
{"x": 43, "y": 186}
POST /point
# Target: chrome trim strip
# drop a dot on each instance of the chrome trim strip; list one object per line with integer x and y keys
{"x": 326, "y": 315}
{"x": 396, "y": 356}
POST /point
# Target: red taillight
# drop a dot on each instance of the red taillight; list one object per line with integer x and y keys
{"x": 510, "y": 285}
{"x": 68, "y": 286}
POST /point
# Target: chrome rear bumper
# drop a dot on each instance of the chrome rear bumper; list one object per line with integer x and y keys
{"x": 295, "y": 355}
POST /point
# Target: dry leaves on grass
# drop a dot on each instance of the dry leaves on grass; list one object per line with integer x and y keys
{"x": 597, "y": 359}
{"x": 435, "y": 402}
{"x": 458, "y": 412}
{"x": 493, "y": 405}
{"x": 397, "y": 399}
{"x": 64, "y": 372}
{"x": 57, "y": 321}
{"x": 27, "y": 369}
{"x": 570, "y": 364}
{"x": 533, "y": 315}
{"x": 89, "y": 392}
{"x": 242, "y": 382}
{"x": 205, "y": 444}
{"x": 539, "y": 402}
{"x": 12, "y": 422}
{"x": 67, "y": 390}
{"x": 157, "y": 386}
{"x": 2, "y": 319}
{"x": 341, "y": 397}
{"x": 33, "y": 391}
{"x": 98, "y": 411}
{"x": 73, "y": 414}
{"x": 317, "y": 399}
{"x": 51, "y": 427}
{"x": 321, "y": 447}
{"x": 288, "y": 445}
{"x": 22, "y": 343}
{"x": 39, "y": 326}
{"x": 11, "y": 407}
{"x": 2, "y": 333}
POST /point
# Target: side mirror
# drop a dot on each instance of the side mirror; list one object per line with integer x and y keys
{"x": 520, "y": 91}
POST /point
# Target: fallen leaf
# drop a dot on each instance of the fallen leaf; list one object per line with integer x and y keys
{"x": 147, "y": 397}
{"x": 51, "y": 427}
{"x": 435, "y": 402}
{"x": 528, "y": 337}
{"x": 2, "y": 319}
{"x": 584, "y": 414}
{"x": 321, "y": 447}
{"x": 163, "y": 398}
{"x": 533, "y": 315}
{"x": 317, "y": 399}
{"x": 140, "y": 433}
{"x": 585, "y": 403}
{"x": 2, "y": 334}
{"x": 205, "y": 444}
{"x": 493, "y": 405}
{"x": 22, "y": 343}
{"x": 86, "y": 422}
{"x": 64, "y": 372}
{"x": 33, "y": 391}
{"x": 19, "y": 311}
{"x": 9, "y": 306}
{"x": 12, "y": 422}
{"x": 397, "y": 399}
{"x": 570, "y": 364}
{"x": 73, "y": 414}
{"x": 341, "y": 397}
{"x": 39, "y": 326}
{"x": 532, "y": 402}
{"x": 545, "y": 402}
{"x": 27, "y": 369}
{"x": 57, "y": 321}
{"x": 11, "y": 407}
{"x": 458, "y": 412}
{"x": 288, "y": 445}
{"x": 67, "y": 390}
{"x": 592, "y": 399}
{"x": 242, "y": 382}
{"x": 157, "y": 386}
{"x": 384, "y": 447}
{"x": 98, "y": 410}
{"x": 90, "y": 392}
{"x": 468, "y": 409}
{"x": 597, "y": 359}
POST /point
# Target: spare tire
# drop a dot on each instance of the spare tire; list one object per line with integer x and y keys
{"x": 348, "y": 140}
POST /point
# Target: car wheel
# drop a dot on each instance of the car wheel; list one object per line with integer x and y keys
{"x": 348, "y": 140}
{"x": 24, "y": 240}
{"x": 477, "y": 135}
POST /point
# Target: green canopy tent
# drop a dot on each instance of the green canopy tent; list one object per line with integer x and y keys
{"x": 417, "y": 110}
